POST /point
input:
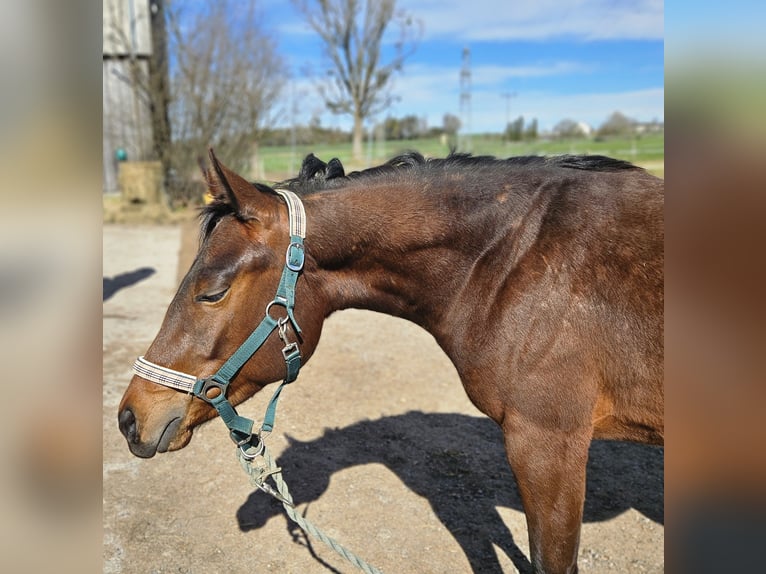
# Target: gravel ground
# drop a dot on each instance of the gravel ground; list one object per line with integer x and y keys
{"x": 378, "y": 442}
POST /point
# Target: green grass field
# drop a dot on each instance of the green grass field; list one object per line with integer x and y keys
{"x": 280, "y": 162}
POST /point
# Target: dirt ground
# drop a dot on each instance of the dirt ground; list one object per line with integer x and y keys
{"x": 378, "y": 442}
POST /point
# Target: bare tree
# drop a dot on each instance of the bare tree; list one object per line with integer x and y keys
{"x": 352, "y": 32}
{"x": 451, "y": 124}
{"x": 617, "y": 124}
{"x": 225, "y": 83}
{"x": 568, "y": 129}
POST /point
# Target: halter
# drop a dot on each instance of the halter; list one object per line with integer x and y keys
{"x": 241, "y": 428}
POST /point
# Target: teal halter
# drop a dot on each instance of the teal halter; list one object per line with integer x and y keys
{"x": 241, "y": 428}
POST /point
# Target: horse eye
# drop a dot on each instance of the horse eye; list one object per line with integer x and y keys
{"x": 212, "y": 297}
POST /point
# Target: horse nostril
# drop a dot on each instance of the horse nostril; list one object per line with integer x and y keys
{"x": 127, "y": 422}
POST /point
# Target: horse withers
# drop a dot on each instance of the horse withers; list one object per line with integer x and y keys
{"x": 540, "y": 278}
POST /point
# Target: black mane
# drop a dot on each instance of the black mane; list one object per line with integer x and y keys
{"x": 316, "y": 175}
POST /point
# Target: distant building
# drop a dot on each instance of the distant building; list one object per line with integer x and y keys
{"x": 586, "y": 130}
{"x": 127, "y": 46}
{"x": 569, "y": 128}
{"x": 653, "y": 127}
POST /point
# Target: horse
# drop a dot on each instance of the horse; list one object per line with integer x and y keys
{"x": 541, "y": 278}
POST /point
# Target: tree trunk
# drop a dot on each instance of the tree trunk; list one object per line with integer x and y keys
{"x": 357, "y": 152}
{"x": 159, "y": 89}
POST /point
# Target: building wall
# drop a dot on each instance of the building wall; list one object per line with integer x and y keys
{"x": 126, "y": 28}
{"x": 126, "y": 116}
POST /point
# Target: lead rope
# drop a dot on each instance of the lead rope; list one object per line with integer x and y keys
{"x": 260, "y": 471}
{"x": 249, "y": 452}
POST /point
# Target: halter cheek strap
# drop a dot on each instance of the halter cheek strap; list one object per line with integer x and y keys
{"x": 213, "y": 389}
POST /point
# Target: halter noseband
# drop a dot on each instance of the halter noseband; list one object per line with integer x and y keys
{"x": 241, "y": 428}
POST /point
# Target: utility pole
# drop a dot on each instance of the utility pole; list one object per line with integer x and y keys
{"x": 464, "y": 139}
{"x": 508, "y": 96}
{"x": 293, "y": 127}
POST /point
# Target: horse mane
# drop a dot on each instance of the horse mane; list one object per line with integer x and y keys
{"x": 316, "y": 175}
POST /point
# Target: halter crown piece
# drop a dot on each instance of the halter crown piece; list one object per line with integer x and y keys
{"x": 241, "y": 428}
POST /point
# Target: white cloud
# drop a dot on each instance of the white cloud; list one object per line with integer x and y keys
{"x": 492, "y": 20}
{"x": 431, "y": 92}
{"x": 420, "y": 82}
{"x": 504, "y": 20}
{"x": 434, "y": 91}
{"x": 494, "y": 75}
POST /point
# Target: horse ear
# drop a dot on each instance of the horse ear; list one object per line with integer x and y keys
{"x": 292, "y": 442}
{"x": 228, "y": 186}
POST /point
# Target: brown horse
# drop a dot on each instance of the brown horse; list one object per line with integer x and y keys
{"x": 540, "y": 278}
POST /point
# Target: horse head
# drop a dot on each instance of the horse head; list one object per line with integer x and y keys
{"x": 245, "y": 235}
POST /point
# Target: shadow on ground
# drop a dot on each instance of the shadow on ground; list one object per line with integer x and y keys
{"x": 123, "y": 280}
{"x": 458, "y": 464}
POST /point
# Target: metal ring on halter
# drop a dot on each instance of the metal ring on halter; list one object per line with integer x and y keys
{"x": 277, "y": 301}
{"x": 258, "y": 449}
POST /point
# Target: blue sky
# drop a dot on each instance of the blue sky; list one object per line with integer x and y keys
{"x": 578, "y": 59}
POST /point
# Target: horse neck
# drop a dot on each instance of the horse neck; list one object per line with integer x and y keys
{"x": 392, "y": 248}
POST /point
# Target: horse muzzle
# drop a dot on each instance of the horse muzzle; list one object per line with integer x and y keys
{"x": 147, "y": 439}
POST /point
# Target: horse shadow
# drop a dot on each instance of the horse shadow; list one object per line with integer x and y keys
{"x": 457, "y": 463}
{"x": 123, "y": 280}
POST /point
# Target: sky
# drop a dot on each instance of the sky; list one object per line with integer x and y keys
{"x": 543, "y": 59}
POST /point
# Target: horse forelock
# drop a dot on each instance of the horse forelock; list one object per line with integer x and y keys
{"x": 212, "y": 213}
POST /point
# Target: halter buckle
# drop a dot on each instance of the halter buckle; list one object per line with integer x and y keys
{"x": 294, "y": 257}
{"x": 289, "y": 350}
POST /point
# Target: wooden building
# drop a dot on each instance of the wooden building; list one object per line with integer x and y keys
{"x": 127, "y": 123}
